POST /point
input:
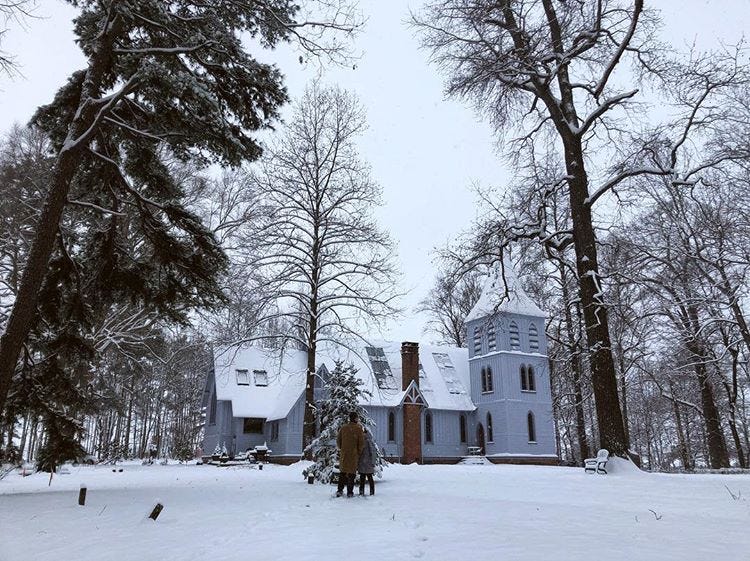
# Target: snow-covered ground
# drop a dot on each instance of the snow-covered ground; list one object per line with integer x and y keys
{"x": 468, "y": 512}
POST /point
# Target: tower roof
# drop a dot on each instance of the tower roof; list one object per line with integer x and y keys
{"x": 502, "y": 292}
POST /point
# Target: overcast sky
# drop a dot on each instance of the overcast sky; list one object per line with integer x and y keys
{"x": 426, "y": 152}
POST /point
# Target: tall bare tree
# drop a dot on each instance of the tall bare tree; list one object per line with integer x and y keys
{"x": 560, "y": 75}
{"x": 327, "y": 267}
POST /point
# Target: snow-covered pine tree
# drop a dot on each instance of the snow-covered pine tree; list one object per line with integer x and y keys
{"x": 343, "y": 395}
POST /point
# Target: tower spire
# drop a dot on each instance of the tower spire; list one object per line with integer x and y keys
{"x": 502, "y": 292}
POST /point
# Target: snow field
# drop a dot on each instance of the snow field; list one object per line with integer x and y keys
{"x": 472, "y": 512}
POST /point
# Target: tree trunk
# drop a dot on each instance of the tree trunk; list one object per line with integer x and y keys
{"x": 308, "y": 429}
{"x": 684, "y": 455}
{"x": 128, "y": 424}
{"x": 736, "y": 438}
{"x": 623, "y": 390}
{"x": 717, "y": 448}
{"x": 606, "y": 396}
{"x": 575, "y": 366}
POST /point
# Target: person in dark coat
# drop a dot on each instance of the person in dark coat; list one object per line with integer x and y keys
{"x": 350, "y": 442}
{"x": 366, "y": 465}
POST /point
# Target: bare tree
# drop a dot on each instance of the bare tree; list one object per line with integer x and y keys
{"x": 557, "y": 73}
{"x": 327, "y": 268}
{"x": 550, "y": 65}
{"x": 448, "y": 303}
{"x": 12, "y": 11}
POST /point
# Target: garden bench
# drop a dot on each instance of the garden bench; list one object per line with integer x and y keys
{"x": 598, "y": 464}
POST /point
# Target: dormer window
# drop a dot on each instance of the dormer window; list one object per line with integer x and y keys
{"x": 260, "y": 377}
{"x": 491, "y": 339}
{"x": 533, "y": 338}
{"x": 515, "y": 339}
{"x": 243, "y": 379}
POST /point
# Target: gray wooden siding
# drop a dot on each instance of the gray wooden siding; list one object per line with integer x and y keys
{"x": 446, "y": 435}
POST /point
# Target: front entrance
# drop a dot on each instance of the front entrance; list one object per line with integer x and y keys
{"x": 480, "y": 439}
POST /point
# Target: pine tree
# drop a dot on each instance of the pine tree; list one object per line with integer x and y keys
{"x": 344, "y": 394}
{"x": 165, "y": 84}
{"x": 62, "y": 444}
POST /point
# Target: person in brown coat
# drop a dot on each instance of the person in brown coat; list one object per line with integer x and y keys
{"x": 350, "y": 442}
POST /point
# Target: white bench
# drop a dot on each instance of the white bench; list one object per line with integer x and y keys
{"x": 598, "y": 464}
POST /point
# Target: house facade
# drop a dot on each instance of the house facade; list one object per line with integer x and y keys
{"x": 429, "y": 403}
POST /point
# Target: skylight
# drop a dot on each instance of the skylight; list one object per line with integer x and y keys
{"x": 381, "y": 368}
{"x": 446, "y": 368}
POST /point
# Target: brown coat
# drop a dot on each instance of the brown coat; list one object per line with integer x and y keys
{"x": 351, "y": 441}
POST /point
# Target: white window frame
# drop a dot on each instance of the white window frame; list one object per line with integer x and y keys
{"x": 263, "y": 375}
{"x": 243, "y": 376}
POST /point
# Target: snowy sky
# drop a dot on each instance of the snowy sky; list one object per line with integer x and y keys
{"x": 425, "y": 151}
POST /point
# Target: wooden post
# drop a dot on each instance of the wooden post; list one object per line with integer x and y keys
{"x": 82, "y": 495}
{"x": 158, "y": 507}
{"x": 311, "y": 479}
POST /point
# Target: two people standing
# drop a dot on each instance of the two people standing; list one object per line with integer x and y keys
{"x": 356, "y": 454}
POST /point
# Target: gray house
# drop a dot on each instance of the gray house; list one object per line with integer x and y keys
{"x": 430, "y": 403}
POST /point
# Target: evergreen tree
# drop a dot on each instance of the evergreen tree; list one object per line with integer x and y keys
{"x": 62, "y": 444}
{"x": 165, "y": 83}
{"x": 344, "y": 393}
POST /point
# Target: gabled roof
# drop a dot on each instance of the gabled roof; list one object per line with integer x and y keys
{"x": 502, "y": 292}
{"x": 286, "y": 379}
{"x": 444, "y": 377}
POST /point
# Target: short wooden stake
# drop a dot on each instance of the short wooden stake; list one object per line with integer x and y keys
{"x": 311, "y": 479}
{"x": 158, "y": 507}
{"x": 260, "y": 467}
{"x": 82, "y": 495}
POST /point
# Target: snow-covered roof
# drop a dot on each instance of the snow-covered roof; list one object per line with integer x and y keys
{"x": 444, "y": 376}
{"x": 502, "y": 292}
{"x": 285, "y": 380}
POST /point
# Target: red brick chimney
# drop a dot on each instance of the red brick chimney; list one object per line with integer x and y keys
{"x": 412, "y": 411}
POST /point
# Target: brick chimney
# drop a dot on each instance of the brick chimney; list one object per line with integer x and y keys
{"x": 409, "y": 364}
{"x": 412, "y": 412}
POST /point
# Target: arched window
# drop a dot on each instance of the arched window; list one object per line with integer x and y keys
{"x": 515, "y": 339}
{"x": 524, "y": 379}
{"x": 391, "y": 427}
{"x": 428, "y": 427}
{"x": 477, "y": 340}
{"x": 533, "y": 337}
{"x": 484, "y": 380}
{"x": 532, "y": 381}
{"x": 491, "y": 340}
{"x": 532, "y": 428}
{"x": 490, "y": 384}
{"x": 462, "y": 428}
{"x": 490, "y": 434}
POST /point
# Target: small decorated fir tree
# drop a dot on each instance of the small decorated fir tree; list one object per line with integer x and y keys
{"x": 344, "y": 392}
